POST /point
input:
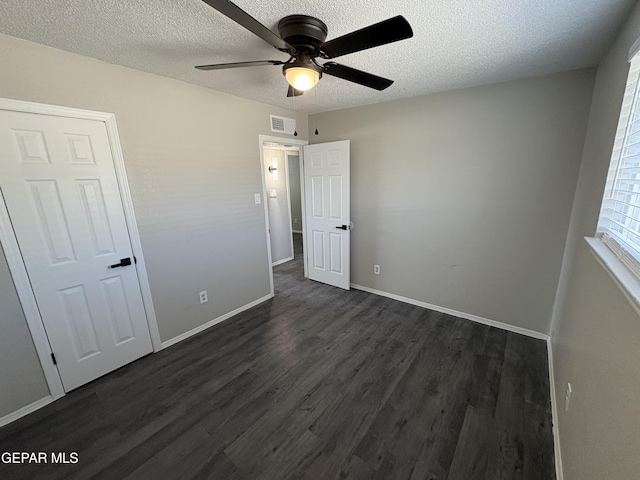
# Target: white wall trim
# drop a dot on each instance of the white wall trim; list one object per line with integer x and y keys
{"x": 554, "y": 414}
{"x": 284, "y": 260}
{"x": 132, "y": 225}
{"x": 18, "y": 270}
{"x": 54, "y": 110}
{"x": 288, "y": 186}
{"x": 262, "y": 139}
{"x": 26, "y": 410}
{"x": 296, "y": 231}
{"x": 635, "y": 48}
{"x": 455, "y": 313}
{"x": 215, "y": 321}
{"x": 303, "y": 206}
{"x": 27, "y": 300}
{"x": 622, "y": 277}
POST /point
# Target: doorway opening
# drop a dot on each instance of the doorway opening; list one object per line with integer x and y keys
{"x": 325, "y": 208}
{"x": 284, "y": 204}
{"x": 281, "y": 166}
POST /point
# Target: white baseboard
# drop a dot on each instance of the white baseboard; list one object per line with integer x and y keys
{"x": 13, "y": 416}
{"x": 215, "y": 321}
{"x": 284, "y": 260}
{"x": 455, "y": 313}
{"x": 296, "y": 231}
{"x": 554, "y": 415}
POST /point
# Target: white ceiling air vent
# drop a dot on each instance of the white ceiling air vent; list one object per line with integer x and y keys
{"x": 282, "y": 124}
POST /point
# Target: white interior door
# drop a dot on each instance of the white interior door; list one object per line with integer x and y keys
{"x": 59, "y": 185}
{"x": 327, "y": 212}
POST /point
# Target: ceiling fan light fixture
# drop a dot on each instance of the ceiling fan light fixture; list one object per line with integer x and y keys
{"x": 303, "y": 38}
{"x": 302, "y": 78}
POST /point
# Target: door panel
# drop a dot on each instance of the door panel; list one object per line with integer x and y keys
{"x": 335, "y": 252}
{"x": 318, "y": 250}
{"x": 326, "y": 173}
{"x": 45, "y": 201}
{"x": 317, "y": 202}
{"x": 79, "y": 321}
{"x": 118, "y": 312}
{"x": 96, "y": 216}
{"x": 58, "y": 181}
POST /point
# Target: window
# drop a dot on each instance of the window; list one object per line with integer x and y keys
{"x": 619, "y": 222}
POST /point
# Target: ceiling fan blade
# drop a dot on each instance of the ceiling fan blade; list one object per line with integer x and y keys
{"x": 356, "y": 76}
{"x": 387, "y": 31}
{"x": 221, "y": 66}
{"x": 292, "y": 92}
{"x": 241, "y": 17}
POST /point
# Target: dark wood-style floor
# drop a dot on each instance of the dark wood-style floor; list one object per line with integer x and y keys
{"x": 317, "y": 383}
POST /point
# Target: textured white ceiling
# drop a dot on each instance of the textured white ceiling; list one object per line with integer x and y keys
{"x": 456, "y": 43}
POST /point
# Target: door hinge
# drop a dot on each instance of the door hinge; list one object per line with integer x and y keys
{"x": 53, "y": 357}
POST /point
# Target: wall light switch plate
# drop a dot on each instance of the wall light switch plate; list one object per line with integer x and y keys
{"x": 256, "y": 197}
{"x": 203, "y": 297}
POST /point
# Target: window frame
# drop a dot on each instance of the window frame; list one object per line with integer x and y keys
{"x": 621, "y": 259}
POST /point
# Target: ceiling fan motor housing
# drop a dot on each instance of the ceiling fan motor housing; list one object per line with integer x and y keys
{"x": 303, "y": 32}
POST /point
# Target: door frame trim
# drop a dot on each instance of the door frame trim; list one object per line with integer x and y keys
{"x": 288, "y": 153}
{"x": 262, "y": 139}
{"x": 9, "y": 241}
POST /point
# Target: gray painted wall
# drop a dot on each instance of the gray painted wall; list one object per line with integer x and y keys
{"x": 190, "y": 155}
{"x": 294, "y": 190}
{"x": 596, "y": 345}
{"x": 463, "y": 198}
{"x": 279, "y": 218}
{"x": 21, "y": 376}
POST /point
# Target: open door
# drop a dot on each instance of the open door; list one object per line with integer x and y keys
{"x": 327, "y": 212}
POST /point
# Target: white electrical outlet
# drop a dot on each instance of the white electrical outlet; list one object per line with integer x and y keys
{"x": 376, "y": 269}
{"x": 567, "y": 397}
{"x": 256, "y": 197}
{"x": 295, "y": 220}
{"x": 203, "y": 297}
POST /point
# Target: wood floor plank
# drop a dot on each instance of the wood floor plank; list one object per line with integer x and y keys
{"x": 281, "y": 461}
{"x": 207, "y": 466}
{"x": 510, "y": 428}
{"x": 316, "y": 383}
{"x": 538, "y": 445}
{"x": 476, "y": 447}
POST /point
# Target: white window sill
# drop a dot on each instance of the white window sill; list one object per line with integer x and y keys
{"x": 623, "y": 278}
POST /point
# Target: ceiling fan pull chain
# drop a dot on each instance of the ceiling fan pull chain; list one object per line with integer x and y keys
{"x": 314, "y": 97}
{"x": 295, "y": 114}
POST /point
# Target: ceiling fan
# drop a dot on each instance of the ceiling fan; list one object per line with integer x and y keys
{"x": 302, "y": 37}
